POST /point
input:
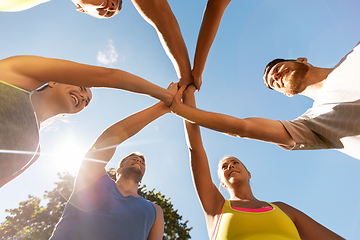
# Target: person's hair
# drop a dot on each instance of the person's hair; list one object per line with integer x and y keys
{"x": 269, "y": 66}
{"x": 120, "y": 5}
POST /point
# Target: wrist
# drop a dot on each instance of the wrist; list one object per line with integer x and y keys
{"x": 162, "y": 108}
{"x": 174, "y": 106}
{"x": 167, "y": 97}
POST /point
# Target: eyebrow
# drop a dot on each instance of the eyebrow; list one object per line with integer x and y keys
{"x": 109, "y": 14}
{"x": 83, "y": 89}
{"x": 270, "y": 83}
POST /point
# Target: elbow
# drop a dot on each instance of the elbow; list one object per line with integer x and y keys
{"x": 240, "y": 130}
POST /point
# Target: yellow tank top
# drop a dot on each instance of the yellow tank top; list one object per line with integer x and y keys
{"x": 270, "y": 225}
{"x": 18, "y": 5}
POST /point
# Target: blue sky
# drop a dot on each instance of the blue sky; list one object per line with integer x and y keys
{"x": 322, "y": 183}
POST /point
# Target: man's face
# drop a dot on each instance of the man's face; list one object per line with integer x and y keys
{"x": 288, "y": 77}
{"x": 69, "y": 98}
{"x": 98, "y": 8}
{"x": 133, "y": 165}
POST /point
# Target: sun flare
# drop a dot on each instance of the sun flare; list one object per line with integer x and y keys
{"x": 67, "y": 154}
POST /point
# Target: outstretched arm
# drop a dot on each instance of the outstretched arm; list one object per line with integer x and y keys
{"x": 210, "y": 197}
{"x": 92, "y": 166}
{"x": 254, "y": 128}
{"x": 31, "y": 72}
{"x": 308, "y": 228}
{"x": 158, "y": 13}
{"x": 210, "y": 24}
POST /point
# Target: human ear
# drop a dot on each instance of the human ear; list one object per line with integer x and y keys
{"x": 51, "y": 84}
{"x": 302, "y": 60}
{"x": 249, "y": 174}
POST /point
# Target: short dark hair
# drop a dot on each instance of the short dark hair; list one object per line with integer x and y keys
{"x": 120, "y": 5}
{"x": 269, "y": 66}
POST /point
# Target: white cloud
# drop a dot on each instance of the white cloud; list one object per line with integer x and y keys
{"x": 108, "y": 56}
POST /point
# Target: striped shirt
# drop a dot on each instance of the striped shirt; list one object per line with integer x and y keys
{"x": 334, "y": 119}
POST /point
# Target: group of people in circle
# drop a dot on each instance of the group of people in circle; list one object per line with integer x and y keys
{"x": 34, "y": 89}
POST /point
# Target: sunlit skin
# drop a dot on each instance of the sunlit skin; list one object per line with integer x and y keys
{"x": 60, "y": 98}
{"x": 158, "y": 14}
{"x": 297, "y": 77}
{"x": 132, "y": 166}
{"x": 235, "y": 178}
{"x": 98, "y": 8}
{"x": 229, "y": 169}
{"x": 288, "y": 77}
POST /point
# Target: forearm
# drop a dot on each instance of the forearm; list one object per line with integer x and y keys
{"x": 214, "y": 121}
{"x": 128, "y": 127}
{"x": 253, "y": 128}
{"x": 30, "y": 72}
{"x": 130, "y": 82}
{"x": 159, "y": 14}
{"x": 210, "y": 24}
{"x": 209, "y": 196}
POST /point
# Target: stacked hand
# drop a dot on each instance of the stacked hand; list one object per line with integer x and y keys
{"x": 186, "y": 94}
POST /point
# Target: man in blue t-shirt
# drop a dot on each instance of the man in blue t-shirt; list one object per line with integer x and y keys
{"x": 100, "y": 208}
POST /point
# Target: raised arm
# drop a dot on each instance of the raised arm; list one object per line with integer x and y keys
{"x": 210, "y": 197}
{"x": 92, "y": 166}
{"x": 209, "y": 26}
{"x": 308, "y": 228}
{"x": 31, "y": 72}
{"x": 253, "y": 128}
{"x": 158, "y": 13}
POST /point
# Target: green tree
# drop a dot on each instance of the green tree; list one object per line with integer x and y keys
{"x": 32, "y": 221}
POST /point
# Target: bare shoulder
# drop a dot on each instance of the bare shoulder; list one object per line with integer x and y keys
{"x": 158, "y": 209}
{"x": 14, "y": 70}
{"x": 286, "y": 208}
{"x": 283, "y": 206}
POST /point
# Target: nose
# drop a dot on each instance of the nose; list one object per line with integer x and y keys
{"x": 230, "y": 166}
{"x": 276, "y": 79}
{"x": 112, "y": 7}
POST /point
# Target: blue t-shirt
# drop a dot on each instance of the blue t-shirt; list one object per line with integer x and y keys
{"x": 100, "y": 211}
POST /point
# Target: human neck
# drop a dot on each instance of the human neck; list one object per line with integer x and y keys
{"x": 241, "y": 193}
{"x": 315, "y": 80}
{"x": 127, "y": 186}
{"x": 42, "y": 108}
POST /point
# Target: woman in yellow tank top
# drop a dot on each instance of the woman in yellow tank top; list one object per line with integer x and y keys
{"x": 242, "y": 216}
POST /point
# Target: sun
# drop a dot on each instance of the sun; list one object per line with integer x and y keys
{"x": 67, "y": 154}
